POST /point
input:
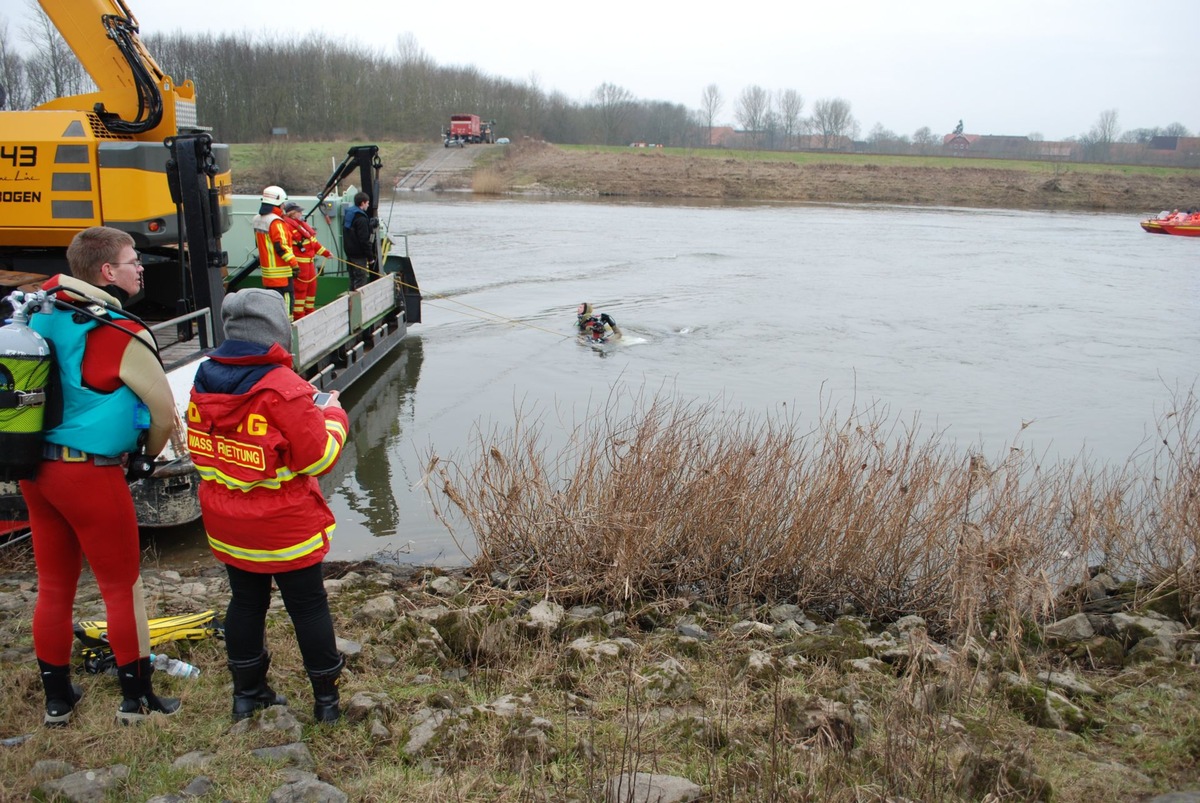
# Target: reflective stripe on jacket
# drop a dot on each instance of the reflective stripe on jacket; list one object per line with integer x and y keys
{"x": 305, "y": 245}
{"x": 259, "y": 443}
{"x": 275, "y": 254}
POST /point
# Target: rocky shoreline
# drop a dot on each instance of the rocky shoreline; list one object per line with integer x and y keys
{"x": 459, "y": 675}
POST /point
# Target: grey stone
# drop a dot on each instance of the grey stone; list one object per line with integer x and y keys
{"x": 295, "y": 754}
{"x": 280, "y": 719}
{"x": 1133, "y": 627}
{"x": 1073, "y": 628}
{"x": 748, "y": 629}
{"x": 785, "y": 613}
{"x": 906, "y": 625}
{"x": 1067, "y": 682}
{"x": 645, "y": 787}
{"x": 585, "y": 612}
{"x": 348, "y": 648}
{"x": 668, "y": 681}
{"x": 378, "y": 609}
{"x": 444, "y": 586}
{"x": 868, "y": 664}
{"x": 313, "y": 791}
{"x": 199, "y": 787}
{"x": 545, "y": 616}
{"x": 49, "y": 768}
{"x": 195, "y": 760}
{"x": 1151, "y": 648}
{"x": 692, "y": 630}
{"x": 86, "y": 785}
{"x": 587, "y": 648}
{"x": 366, "y": 704}
{"x": 429, "y": 725}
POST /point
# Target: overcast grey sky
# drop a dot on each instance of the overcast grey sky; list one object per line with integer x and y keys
{"x": 1017, "y": 67}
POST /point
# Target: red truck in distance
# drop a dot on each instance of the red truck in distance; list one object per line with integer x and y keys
{"x": 468, "y": 129}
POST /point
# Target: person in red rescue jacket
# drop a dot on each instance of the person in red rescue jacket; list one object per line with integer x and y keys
{"x": 259, "y": 441}
{"x": 275, "y": 255}
{"x": 306, "y": 249}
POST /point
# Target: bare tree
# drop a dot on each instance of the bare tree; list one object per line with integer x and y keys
{"x": 925, "y": 140}
{"x": 711, "y": 103}
{"x": 1176, "y": 130}
{"x": 752, "y": 107}
{"x": 52, "y": 70}
{"x": 13, "y": 93}
{"x": 1097, "y": 143}
{"x": 614, "y": 104}
{"x": 884, "y": 140}
{"x": 833, "y": 121}
{"x": 791, "y": 109}
{"x": 325, "y": 89}
{"x": 1106, "y": 128}
{"x": 409, "y": 51}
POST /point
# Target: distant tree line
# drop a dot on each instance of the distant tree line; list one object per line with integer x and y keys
{"x": 249, "y": 85}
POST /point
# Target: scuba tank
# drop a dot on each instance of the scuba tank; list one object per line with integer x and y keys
{"x": 26, "y": 365}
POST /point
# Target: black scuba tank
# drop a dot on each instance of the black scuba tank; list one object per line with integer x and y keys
{"x": 26, "y": 365}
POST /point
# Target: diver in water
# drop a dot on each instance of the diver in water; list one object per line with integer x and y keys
{"x": 595, "y": 328}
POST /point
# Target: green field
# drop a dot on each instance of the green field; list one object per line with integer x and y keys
{"x": 890, "y": 160}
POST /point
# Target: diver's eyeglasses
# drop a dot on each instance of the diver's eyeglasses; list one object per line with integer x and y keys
{"x": 137, "y": 260}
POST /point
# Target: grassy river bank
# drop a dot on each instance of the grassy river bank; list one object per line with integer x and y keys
{"x": 765, "y": 615}
{"x": 527, "y": 167}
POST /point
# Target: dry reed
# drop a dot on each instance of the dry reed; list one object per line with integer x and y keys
{"x": 488, "y": 182}
{"x": 678, "y": 499}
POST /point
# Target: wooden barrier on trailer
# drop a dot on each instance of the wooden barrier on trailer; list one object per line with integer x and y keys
{"x": 341, "y": 320}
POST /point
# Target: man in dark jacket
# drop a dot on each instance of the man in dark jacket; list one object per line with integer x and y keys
{"x": 360, "y": 248}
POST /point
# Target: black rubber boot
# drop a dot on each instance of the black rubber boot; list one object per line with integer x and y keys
{"x": 61, "y": 694}
{"x": 250, "y": 689}
{"x": 140, "y": 700}
{"x": 325, "y": 692}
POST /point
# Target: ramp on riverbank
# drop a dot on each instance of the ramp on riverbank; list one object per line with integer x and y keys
{"x": 442, "y": 168}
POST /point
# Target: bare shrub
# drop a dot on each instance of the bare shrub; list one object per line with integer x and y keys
{"x": 488, "y": 182}
{"x": 280, "y": 165}
{"x": 684, "y": 499}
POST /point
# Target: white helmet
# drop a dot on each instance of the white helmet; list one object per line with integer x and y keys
{"x": 273, "y": 195}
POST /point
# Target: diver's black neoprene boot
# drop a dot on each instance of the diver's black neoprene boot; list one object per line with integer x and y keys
{"x": 61, "y": 694}
{"x": 140, "y": 700}
{"x": 325, "y": 692}
{"x": 250, "y": 689}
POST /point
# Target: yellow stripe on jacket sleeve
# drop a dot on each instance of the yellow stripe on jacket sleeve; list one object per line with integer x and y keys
{"x": 334, "y": 438}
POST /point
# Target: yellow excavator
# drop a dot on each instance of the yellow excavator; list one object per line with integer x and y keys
{"x": 129, "y": 155}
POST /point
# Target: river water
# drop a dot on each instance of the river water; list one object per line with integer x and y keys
{"x": 1062, "y": 333}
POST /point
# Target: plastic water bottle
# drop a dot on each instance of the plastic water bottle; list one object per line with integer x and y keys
{"x": 174, "y": 667}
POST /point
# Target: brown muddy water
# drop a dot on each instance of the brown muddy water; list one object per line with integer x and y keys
{"x": 1062, "y": 333}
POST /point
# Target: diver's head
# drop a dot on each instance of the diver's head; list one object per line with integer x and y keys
{"x": 584, "y": 310}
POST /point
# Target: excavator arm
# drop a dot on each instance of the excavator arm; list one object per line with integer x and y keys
{"x": 134, "y": 96}
{"x": 98, "y": 158}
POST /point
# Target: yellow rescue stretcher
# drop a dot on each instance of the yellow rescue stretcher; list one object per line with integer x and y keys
{"x": 97, "y": 652}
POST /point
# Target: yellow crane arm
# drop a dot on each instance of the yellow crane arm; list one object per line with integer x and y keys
{"x": 134, "y": 96}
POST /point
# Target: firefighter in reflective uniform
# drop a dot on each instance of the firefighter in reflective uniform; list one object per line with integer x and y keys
{"x": 273, "y": 238}
{"x": 306, "y": 249}
{"x": 259, "y": 441}
{"x": 111, "y": 386}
